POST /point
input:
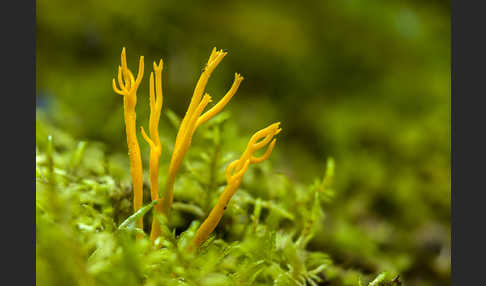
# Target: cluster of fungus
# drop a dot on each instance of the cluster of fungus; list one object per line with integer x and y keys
{"x": 194, "y": 117}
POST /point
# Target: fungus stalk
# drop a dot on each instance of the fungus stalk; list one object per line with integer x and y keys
{"x": 156, "y": 99}
{"x": 234, "y": 174}
{"x": 128, "y": 89}
{"x": 192, "y": 120}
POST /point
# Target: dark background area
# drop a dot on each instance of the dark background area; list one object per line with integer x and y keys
{"x": 364, "y": 82}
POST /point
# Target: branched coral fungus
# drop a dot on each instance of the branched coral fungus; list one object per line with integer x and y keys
{"x": 234, "y": 174}
{"x": 156, "y": 100}
{"x": 192, "y": 120}
{"x": 128, "y": 89}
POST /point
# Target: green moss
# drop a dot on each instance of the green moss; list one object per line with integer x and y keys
{"x": 85, "y": 232}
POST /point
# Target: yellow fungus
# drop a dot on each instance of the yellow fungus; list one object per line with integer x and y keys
{"x": 128, "y": 89}
{"x": 194, "y": 119}
{"x": 234, "y": 174}
{"x": 156, "y": 99}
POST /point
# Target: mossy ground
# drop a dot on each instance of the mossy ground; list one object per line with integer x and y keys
{"x": 85, "y": 230}
{"x": 273, "y": 232}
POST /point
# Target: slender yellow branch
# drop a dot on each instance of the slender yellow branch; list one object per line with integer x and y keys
{"x": 128, "y": 89}
{"x": 234, "y": 174}
{"x": 155, "y": 99}
{"x": 222, "y": 103}
{"x": 192, "y": 120}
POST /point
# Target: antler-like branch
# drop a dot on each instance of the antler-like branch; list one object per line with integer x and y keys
{"x": 128, "y": 88}
{"x": 234, "y": 174}
{"x": 194, "y": 119}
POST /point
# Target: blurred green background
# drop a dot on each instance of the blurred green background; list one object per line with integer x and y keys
{"x": 364, "y": 82}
